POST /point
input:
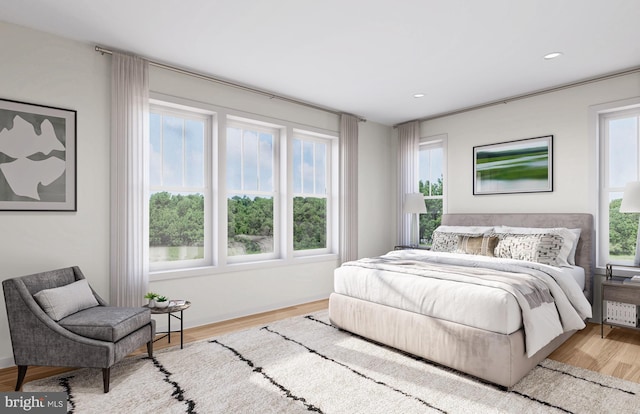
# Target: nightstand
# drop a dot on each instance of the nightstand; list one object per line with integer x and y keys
{"x": 620, "y": 301}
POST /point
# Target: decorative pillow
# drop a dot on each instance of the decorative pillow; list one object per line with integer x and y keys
{"x": 550, "y": 249}
{"x": 570, "y": 238}
{"x": 444, "y": 242}
{"x": 483, "y": 245}
{"x": 445, "y": 238}
{"x": 478, "y": 230}
{"x": 63, "y": 301}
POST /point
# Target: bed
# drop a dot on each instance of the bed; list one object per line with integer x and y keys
{"x": 484, "y": 329}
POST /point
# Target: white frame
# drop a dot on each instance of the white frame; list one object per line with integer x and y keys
{"x": 330, "y": 180}
{"x": 436, "y": 141}
{"x": 604, "y": 193}
{"x": 216, "y": 230}
{"x": 276, "y": 131}
{"x": 209, "y": 244}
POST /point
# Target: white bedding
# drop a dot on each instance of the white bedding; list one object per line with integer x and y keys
{"x": 577, "y": 273}
{"x": 476, "y": 305}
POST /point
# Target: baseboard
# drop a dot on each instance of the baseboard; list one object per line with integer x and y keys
{"x": 7, "y": 362}
{"x": 254, "y": 311}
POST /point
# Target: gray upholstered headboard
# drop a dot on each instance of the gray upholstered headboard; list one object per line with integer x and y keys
{"x": 585, "y": 253}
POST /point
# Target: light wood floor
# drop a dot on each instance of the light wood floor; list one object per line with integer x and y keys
{"x": 618, "y": 354}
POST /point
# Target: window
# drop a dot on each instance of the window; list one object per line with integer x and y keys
{"x": 619, "y": 164}
{"x": 179, "y": 187}
{"x": 310, "y": 192}
{"x": 250, "y": 190}
{"x": 269, "y": 197}
{"x": 431, "y": 158}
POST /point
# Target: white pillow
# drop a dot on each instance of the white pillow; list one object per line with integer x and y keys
{"x": 64, "y": 300}
{"x": 572, "y": 255}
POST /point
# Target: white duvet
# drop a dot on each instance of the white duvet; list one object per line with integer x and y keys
{"x": 500, "y": 295}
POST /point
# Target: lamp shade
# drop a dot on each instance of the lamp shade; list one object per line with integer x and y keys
{"x": 631, "y": 198}
{"x": 414, "y": 203}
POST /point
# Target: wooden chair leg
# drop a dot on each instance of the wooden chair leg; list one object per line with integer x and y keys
{"x": 150, "y": 348}
{"x": 106, "y": 372}
{"x": 22, "y": 372}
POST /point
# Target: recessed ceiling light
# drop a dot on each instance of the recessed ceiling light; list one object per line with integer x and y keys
{"x": 552, "y": 55}
{"x": 418, "y": 95}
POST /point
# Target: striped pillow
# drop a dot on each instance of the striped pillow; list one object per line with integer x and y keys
{"x": 482, "y": 245}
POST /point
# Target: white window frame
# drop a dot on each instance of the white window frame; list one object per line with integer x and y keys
{"x": 599, "y": 114}
{"x": 331, "y": 178}
{"x": 436, "y": 141}
{"x": 275, "y": 130}
{"x": 168, "y": 109}
{"x": 216, "y": 259}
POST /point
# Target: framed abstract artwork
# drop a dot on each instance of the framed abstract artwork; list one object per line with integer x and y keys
{"x": 37, "y": 157}
{"x": 521, "y": 166}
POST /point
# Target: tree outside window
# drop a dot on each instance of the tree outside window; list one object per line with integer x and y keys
{"x": 619, "y": 165}
{"x": 271, "y": 200}
{"x": 177, "y": 186}
{"x": 431, "y": 183}
{"x": 310, "y": 157}
{"x": 250, "y": 190}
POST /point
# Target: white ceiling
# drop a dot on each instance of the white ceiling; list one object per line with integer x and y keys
{"x": 366, "y": 57}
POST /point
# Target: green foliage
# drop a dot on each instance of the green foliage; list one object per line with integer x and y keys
{"x": 248, "y": 221}
{"x": 176, "y": 220}
{"x": 436, "y": 188}
{"x": 309, "y": 223}
{"x": 623, "y": 231}
{"x": 431, "y": 220}
{"x": 247, "y": 216}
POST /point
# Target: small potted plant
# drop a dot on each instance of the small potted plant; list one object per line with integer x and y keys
{"x": 151, "y": 296}
{"x": 161, "y": 302}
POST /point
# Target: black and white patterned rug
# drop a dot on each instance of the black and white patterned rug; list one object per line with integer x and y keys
{"x": 304, "y": 364}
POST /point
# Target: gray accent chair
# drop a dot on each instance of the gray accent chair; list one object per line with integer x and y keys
{"x": 96, "y": 337}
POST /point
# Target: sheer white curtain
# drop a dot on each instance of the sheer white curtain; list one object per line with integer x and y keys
{"x": 408, "y": 146}
{"x": 129, "y": 169}
{"x": 348, "y": 188}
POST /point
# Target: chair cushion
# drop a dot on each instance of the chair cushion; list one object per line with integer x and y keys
{"x": 65, "y": 300}
{"x": 107, "y": 323}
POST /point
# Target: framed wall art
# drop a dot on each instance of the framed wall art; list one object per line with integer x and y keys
{"x": 521, "y": 166}
{"x": 37, "y": 157}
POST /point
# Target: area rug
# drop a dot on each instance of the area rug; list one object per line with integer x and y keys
{"x": 304, "y": 364}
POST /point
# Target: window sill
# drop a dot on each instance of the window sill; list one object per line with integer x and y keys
{"x": 239, "y": 267}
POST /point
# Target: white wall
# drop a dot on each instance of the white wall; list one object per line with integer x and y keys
{"x": 44, "y": 69}
{"x": 376, "y": 190}
{"x": 563, "y": 114}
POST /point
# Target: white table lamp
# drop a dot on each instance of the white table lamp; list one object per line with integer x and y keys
{"x": 414, "y": 205}
{"x": 631, "y": 204}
